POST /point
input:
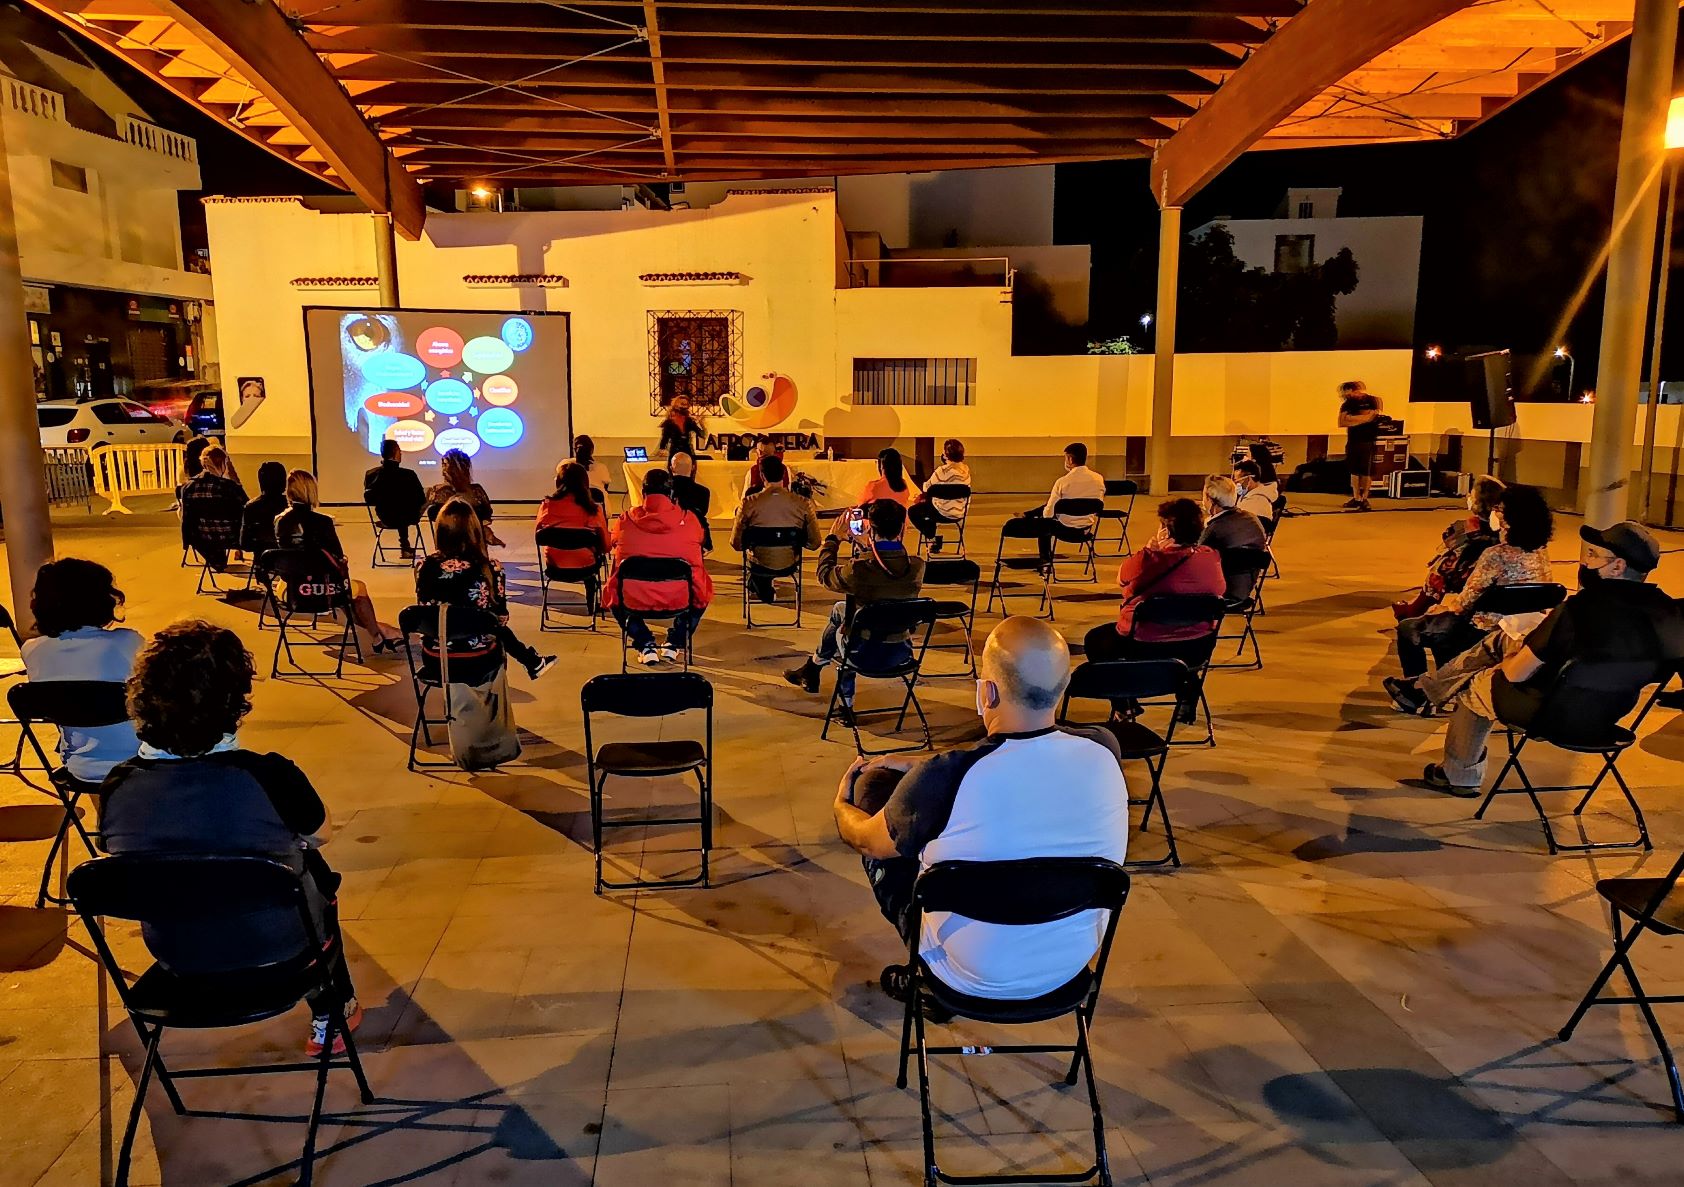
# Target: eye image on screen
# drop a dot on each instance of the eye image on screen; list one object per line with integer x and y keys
{"x": 493, "y": 385}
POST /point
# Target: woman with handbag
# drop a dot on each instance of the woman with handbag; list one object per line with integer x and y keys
{"x": 461, "y": 573}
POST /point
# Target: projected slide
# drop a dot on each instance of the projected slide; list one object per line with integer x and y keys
{"x": 493, "y": 385}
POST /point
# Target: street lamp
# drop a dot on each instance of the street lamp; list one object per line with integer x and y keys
{"x": 1646, "y": 463}
{"x": 1561, "y": 352}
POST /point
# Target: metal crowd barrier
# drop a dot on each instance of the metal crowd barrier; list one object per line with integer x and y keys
{"x": 122, "y": 471}
{"x": 69, "y": 476}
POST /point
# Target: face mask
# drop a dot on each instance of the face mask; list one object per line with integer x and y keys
{"x": 1497, "y": 524}
{"x": 1589, "y": 575}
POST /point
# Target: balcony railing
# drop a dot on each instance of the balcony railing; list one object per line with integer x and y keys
{"x": 32, "y": 100}
{"x": 143, "y": 134}
{"x": 948, "y": 272}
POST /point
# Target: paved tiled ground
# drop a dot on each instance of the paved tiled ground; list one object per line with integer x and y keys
{"x": 1350, "y": 982}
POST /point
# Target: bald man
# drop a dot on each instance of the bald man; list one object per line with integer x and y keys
{"x": 1029, "y": 789}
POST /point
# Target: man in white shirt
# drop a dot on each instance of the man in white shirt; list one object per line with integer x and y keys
{"x": 1029, "y": 789}
{"x": 1077, "y": 482}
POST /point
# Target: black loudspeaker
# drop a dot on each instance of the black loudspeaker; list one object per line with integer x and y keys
{"x": 1489, "y": 394}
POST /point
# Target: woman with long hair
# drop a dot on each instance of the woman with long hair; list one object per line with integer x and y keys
{"x": 303, "y": 526}
{"x": 891, "y": 482}
{"x": 572, "y": 506}
{"x": 460, "y": 572}
{"x": 584, "y": 452}
{"x": 456, "y": 472}
{"x": 680, "y": 428}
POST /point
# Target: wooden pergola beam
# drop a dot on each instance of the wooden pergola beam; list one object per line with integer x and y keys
{"x": 258, "y": 41}
{"x": 1328, "y": 40}
{"x": 663, "y": 114}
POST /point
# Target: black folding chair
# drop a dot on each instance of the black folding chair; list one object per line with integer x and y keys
{"x": 65, "y": 704}
{"x": 954, "y": 571}
{"x": 1014, "y": 894}
{"x": 1122, "y": 683}
{"x": 207, "y": 575}
{"x": 1523, "y": 597}
{"x": 948, "y": 492}
{"x": 1083, "y": 538}
{"x": 658, "y": 694}
{"x": 1019, "y": 528}
{"x": 571, "y": 539}
{"x": 879, "y": 624}
{"x": 1651, "y": 904}
{"x": 1251, "y": 564}
{"x": 299, "y": 582}
{"x": 383, "y": 550}
{"x": 656, "y": 570}
{"x": 204, "y": 892}
{"x": 464, "y": 625}
{"x": 11, "y": 667}
{"x": 1183, "y": 611}
{"x": 1117, "y": 488}
{"x": 793, "y": 538}
{"x": 1556, "y": 723}
{"x": 1270, "y": 526}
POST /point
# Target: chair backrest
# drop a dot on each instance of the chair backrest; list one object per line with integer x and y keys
{"x": 1181, "y": 610}
{"x": 948, "y": 490}
{"x": 1123, "y": 679}
{"x": 789, "y": 537}
{"x": 1025, "y": 527}
{"x": 1077, "y": 507}
{"x": 461, "y": 622}
{"x": 75, "y": 703}
{"x": 1023, "y": 892}
{"x": 653, "y": 570}
{"x": 184, "y": 888}
{"x": 652, "y": 694}
{"x": 312, "y": 580}
{"x": 1525, "y": 597}
{"x": 1118, "y": 487}
{"x": 556, "y": 537}
{"x": 1613, "y": 685}
{"x": 877, "y": 622}
{"x": 1238, "y": 561}
{"x": 955, "y": 570}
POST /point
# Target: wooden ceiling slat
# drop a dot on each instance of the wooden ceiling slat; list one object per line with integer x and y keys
{"x": 556, "y": 133}
{"x": 694, "y": 146}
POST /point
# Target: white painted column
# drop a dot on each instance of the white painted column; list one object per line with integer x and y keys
{"x": 1163, "y": 366}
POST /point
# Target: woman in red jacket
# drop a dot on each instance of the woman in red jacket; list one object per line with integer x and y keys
{"x": 571, "y": 506}
{"x": 1173, "y": 563}
{"x": 659, "y": 528}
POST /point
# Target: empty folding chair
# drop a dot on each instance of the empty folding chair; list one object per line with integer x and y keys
{"x": 941, "y": 572}
{"x": 1248, "y": 567}
{"x": 1182, "y": 612}
{"x": 792, "y": 538}
{"x": 207, "y": 895}
{"x": 656, "y": 570}
{"x": 950, "y": 493}
{"x": 1651, "y": 905}
{"x": 298, "y": 583}
{"x": 1117, "y": 488}
{"x": 84, "y": 704}
{"x": 658, "y": 694}
{"x": 1016, "y": 559}
{"x": 1561, "y": 721}
{"x": 1013, "y": 894}
{"x": 587, "y": 577}
{"x": 474, "y": 656}
{"x": 1082, "y": 539}
{"x": 1123, "y": 684}
{"x": 883, "y": 643}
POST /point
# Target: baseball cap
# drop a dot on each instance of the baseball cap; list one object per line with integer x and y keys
{"x": 1628, "y": 540}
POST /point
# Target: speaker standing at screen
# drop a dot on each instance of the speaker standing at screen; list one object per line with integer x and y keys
{"x": 1359, "y": 416}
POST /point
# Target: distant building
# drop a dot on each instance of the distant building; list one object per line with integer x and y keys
{"x": 112, "y": 306}
{"x": 1307, "y": 230}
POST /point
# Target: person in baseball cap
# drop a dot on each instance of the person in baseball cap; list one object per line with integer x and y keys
{"x": 1629, "y": 543}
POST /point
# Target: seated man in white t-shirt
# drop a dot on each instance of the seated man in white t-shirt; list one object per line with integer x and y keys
{"x": 1077, "y": 482}
{"x": 1030, "y": 789}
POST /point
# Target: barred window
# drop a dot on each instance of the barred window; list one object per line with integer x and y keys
{"x": 697, "y": 354}
{"x": 914, "y": 381}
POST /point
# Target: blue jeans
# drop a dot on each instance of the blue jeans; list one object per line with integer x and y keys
{"x": 642, "y": 638}
{"x": 834, "y": 642}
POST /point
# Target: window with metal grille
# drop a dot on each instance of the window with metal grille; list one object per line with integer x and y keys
{"x": 1295, "y": 253}
{"x": 70, "y": 177}
{"x": 696, "y": 354}
{"x": 914, "y": 381}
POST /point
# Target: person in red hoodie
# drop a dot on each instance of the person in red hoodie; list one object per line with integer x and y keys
{"x": 571, "y": 506}
{"x": 659, "y": 528}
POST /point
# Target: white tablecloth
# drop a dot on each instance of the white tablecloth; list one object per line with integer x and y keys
{"x": 843, "y": 481}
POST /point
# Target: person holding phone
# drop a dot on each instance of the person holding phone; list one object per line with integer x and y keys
{"x": 881, "y": 571}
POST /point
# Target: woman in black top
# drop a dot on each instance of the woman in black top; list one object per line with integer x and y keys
{"x": 302, "y": 527}
{"x": 460, "y": 573}
{"x": 457, "y": 470}
{"x": 681, "y": 428}
{"x": 192, "y": 789}
{"x": 257, "y": 530}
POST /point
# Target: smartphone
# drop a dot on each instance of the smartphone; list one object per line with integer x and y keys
{"x": 856, "y": 521}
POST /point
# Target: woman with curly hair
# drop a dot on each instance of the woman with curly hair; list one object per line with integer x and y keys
{"x": 456, "y": 469}
{"x": 194, "y": 789}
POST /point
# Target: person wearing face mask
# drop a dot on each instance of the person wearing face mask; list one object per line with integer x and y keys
{"x": 1524, "y": 524}
{"x": 1463, "y": 542}
{"x": 1615, "y": 617}
{"x": 1029, "y": 789}
{"x": 882, "y": 570}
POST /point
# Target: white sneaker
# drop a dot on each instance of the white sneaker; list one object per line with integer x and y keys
{"x": 649, "y": 656}
{"x": 669, "y": 653}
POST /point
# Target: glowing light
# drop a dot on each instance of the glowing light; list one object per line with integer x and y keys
{"x": 1561, "y": 352}
{"x": 1588, "y": 397}
{"x": 480, "y": 192}
{"x": 1434, "y": 352}
{"x": 1145, "y": 320}
{"x": 1675, "y": 123}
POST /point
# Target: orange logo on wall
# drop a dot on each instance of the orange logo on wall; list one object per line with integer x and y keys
{"x": 760, "y": 409}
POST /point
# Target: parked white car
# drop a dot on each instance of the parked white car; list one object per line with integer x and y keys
{"x": 96, "y": 423}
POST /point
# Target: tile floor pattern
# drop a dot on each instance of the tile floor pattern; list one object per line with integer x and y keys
{"x": 1350, "y": 981}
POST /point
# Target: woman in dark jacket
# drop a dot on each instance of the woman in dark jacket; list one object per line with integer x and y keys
{"x": 302, "y": 527}
{"x": 257, "y": 529}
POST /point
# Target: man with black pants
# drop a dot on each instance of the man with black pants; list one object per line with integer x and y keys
{"x": 1028, "y": 790}
{"x": 396, "y": 494}
{"x": 1077, "y": 482}
{"x": 1615, "y": 617}
{"x": 1359, "y": 416}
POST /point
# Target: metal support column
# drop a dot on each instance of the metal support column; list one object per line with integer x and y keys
{"x": 386, "y": 260}
{"x": 23, "y": 478}
{"x": 1630, "y": 259}
{"x": 1163, "y": 366}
